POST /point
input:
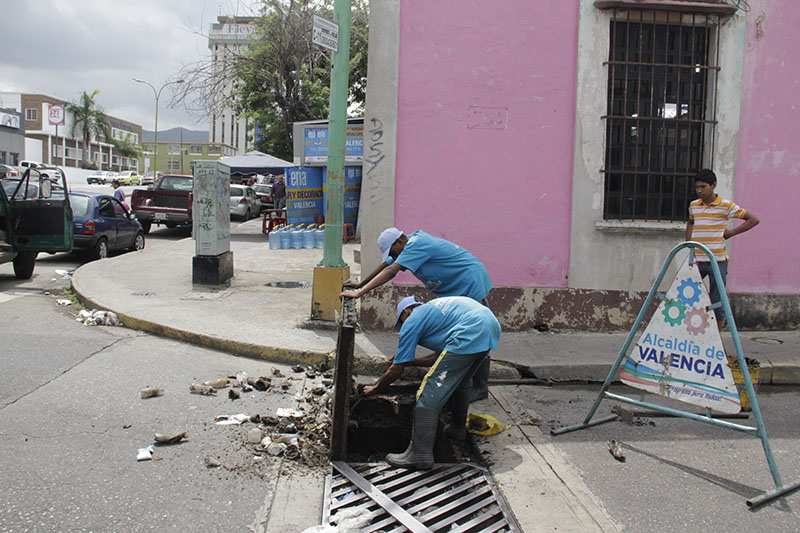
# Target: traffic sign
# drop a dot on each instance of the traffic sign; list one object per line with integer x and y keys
{"x": 56, "y": 114}
{"x": 325, "y": 33}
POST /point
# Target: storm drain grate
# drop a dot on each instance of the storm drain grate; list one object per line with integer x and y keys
{"x": 289, "y": 284}
{"x": 449, "y": 497}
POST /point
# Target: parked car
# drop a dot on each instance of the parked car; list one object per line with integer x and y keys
{"x": 128, "y": 177}
{"x": 244, "y": 202}
{"x": 7, "y": 171}
{"x": 29, "y": 164}
{"x": 28, "y": 190}
{"x": 149, "y": 179}
{"x": 32, "y": 225}
{"x": 101, "y": 224}
{"x": 264, "y": 193}
{"x": 168, "y": 203}
{"x": 101, "y": 177}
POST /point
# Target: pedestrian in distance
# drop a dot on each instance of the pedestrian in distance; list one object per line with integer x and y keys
{"x": 445, "y": 268}
{"x": 119, "y": 194}
{"x": 279, "y": 194}
{"x": 708, "y": 224}
{"x": 460, "y": 332}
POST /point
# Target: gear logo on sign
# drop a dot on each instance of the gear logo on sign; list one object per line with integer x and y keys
{"x": 696, "y": 321}
{"x": 689, "y": 301}
{"x": 674, "y": 312}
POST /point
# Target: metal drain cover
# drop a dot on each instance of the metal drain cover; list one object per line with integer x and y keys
{"x": 289, "y": 284}
{"x": 449, "y": 497}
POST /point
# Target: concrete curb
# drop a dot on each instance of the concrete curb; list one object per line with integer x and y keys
{"x": 364, "y": 364}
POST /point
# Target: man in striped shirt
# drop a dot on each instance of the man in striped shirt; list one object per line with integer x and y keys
{"x": 708, "y": 224}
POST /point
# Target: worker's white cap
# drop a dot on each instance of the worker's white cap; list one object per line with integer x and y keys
{"x": 386, "y": 240}
{"x": 408, "y": 301}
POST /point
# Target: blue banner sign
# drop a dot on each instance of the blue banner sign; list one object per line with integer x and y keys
{"x": 304, "y": 194}
{"x": 315, "y": 144}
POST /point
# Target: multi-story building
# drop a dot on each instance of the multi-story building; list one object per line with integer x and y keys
{"x": 56, "y": 145}
{"x": 177, "y": 157}
{"x": 228, "y": 38}
{"x": 12, "y": 136}
{"x": 558, "y": 142}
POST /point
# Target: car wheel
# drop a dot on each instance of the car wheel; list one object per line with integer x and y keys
{"x": 138, "y": 242}
{"x": 101, "y": 249}
{"x": 247, "y": 214}
{"x": 24, "y": 264}
{"x": 145, "y": 227}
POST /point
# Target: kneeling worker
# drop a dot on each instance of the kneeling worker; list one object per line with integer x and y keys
{"x": 460, "y": 331}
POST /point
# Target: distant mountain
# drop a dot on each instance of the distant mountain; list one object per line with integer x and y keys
{"x": 174, "y": 135}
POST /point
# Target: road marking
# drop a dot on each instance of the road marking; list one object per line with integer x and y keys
{"x": 6, "y": 297}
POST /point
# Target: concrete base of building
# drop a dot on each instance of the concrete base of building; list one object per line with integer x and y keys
{"x": 523, "y": 308}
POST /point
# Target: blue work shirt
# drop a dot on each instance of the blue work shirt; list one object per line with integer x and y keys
{"x": 446, "y": 268}
{"x": 457, "y": 324}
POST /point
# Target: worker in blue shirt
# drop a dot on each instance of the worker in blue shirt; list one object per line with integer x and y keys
{"x": 445, "y": 268}
{"x": 460, "y": 331}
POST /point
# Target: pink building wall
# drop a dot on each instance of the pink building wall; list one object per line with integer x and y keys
{"x": 486, "y": 107}
{"x": 768, "y": 176}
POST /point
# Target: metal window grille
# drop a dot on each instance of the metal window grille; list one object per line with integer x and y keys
{"x": 662, "y": 73}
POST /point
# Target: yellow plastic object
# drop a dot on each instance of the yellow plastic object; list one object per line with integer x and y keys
{"x": 485, "y": 425}
{"x": 754, "y": 367}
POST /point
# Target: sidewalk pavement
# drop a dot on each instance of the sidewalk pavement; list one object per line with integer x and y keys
{"x": 253, "y": 316}
{"x": 154, "y": 292}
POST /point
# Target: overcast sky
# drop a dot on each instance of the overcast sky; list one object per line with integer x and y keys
{"x": 63, "y": 47}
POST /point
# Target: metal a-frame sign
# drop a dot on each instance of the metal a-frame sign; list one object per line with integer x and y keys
{"x": 680, "y": 355}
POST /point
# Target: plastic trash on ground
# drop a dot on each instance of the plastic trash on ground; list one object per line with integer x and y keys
{"x": 97, "y": 318}
{"x": 144, "y": 454}
{"x": 293, "y": 413}
{"x": 231, "y": 420}
{"x": 485, "y": 425}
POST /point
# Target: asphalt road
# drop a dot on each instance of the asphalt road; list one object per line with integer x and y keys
{"x": 678, "y": 475}
{"x": 72, "y": 420}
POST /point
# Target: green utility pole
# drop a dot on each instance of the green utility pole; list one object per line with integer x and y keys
{"x": 337, "y": 124}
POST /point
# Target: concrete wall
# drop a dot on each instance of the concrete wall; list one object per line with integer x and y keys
{"x": 484, "y": 138}
{"x": 627, "y": 256}
{"x": 767, "y": 258}
{"x": 488, "y": 132}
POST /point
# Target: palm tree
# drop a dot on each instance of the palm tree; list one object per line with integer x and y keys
{"x": 90, "y": 119}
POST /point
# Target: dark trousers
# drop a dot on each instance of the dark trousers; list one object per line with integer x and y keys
{"x": 713, "y": 291}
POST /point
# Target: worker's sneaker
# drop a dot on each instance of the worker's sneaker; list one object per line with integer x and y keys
{"x": 419, "y": 453}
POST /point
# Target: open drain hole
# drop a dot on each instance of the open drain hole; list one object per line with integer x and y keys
{"x": 289, "y": 284}
{"x": 381, "y": 424}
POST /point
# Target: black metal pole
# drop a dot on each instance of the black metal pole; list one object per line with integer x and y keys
{"x": 343, "y": 380}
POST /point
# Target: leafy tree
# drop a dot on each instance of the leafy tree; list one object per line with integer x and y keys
{"x": 282, "y": 77}
{"x": 90, "y": 120}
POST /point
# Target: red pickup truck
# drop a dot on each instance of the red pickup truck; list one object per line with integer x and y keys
{"x": 168, "y": 203}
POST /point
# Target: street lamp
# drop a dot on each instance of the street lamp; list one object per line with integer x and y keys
{"x": 157, "y": 94}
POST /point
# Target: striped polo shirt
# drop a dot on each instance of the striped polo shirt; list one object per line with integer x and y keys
{"x": 710, "y": 222}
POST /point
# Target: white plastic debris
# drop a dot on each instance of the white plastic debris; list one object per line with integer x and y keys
{"x": 97, "y": 318}
{"x": 63, "y": 301}
{"x": 231, "y": 420}
{"x": 145, "y": 454}
{"x": 65, "y": 274}
{"x": 293, "y": 413}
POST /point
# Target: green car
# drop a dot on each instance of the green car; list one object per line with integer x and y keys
{"x": 129, "y": 177}
{"x": 35, "y": 216}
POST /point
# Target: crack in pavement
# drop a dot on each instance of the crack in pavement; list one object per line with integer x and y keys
{"x": 62, "y": 373}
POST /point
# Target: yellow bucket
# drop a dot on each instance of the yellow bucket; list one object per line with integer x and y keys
{"x": 754, "y": 367}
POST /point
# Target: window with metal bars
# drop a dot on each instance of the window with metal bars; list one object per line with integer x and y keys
{"x": 662, "y": 72}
